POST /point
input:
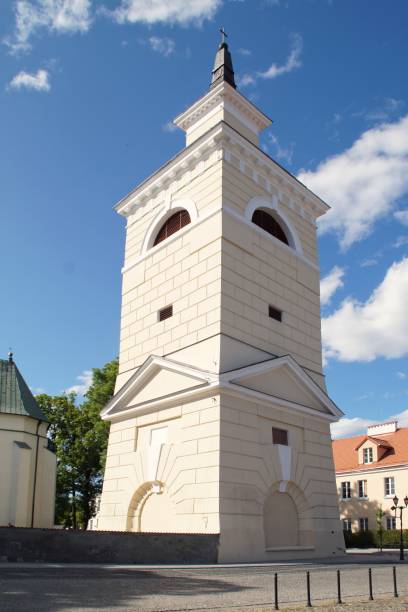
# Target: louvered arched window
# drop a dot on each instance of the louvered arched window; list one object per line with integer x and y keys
{"x": 173, "y": 224}
{"x": 268, "y": 223}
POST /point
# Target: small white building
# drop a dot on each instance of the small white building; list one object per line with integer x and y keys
{"x": 220, "y": 422}
{"x": 27, "y": 464}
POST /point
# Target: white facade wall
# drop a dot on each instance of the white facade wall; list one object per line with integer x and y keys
{"x": 25, "y": 481}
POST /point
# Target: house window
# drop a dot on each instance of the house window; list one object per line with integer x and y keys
{"x": 367, "y": 455}
{"x": 389, "y": 486}
{"x": 345, "y": 490}
{"x": 391, "y": 522}
{"x": 275, "y": 313}
{"x": 165, "y": 313}
{"x": 279, "y": 436}
{"x": 347, "y": 525}
{"x": 268, "y": 223}
{"x": 363, "y": 523}
{"x": 362, "y": 488}
{"x": 175, "y": 223}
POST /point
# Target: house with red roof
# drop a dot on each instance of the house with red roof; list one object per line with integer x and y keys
{"x": 370, "y": 471}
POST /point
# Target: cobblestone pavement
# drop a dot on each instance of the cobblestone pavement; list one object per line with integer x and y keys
{"x": 250, "y": 588}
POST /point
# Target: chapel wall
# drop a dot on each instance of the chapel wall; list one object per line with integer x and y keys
{"x": 17, "y": 465}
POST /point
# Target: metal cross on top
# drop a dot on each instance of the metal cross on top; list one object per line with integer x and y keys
{"x": 224, "y": 35}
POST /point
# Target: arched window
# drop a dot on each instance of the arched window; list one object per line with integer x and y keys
{"x": 268, "y": 223}
{"x": 175, "y": 223}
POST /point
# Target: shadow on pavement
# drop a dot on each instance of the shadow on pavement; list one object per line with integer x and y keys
{"x": 54, "y": 589}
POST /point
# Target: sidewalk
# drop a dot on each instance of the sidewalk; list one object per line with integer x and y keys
{"x": 385, "y": 604}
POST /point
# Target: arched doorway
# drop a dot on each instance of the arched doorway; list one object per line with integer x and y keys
{"x": 287, "y": 518}
{"x": 152, "y": 510}
{"x": 281, "y": 521}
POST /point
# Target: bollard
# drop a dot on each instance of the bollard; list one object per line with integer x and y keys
{"x": 338, "y": 588}
{"x": 276, "y": 592}
{"x": 394, "y": 575}
{"x": 309, "y": 603}
{"x": 370, "y": 584}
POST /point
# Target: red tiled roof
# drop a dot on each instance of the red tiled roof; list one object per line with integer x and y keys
{"x": 346, "y": 456}
{"x": 376, "y": 441}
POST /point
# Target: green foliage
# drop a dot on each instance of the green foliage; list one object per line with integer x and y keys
{"x": 80, "y": 438}
{"x": 379, "y": 515}
{"x": 359, "y": 539}
{"x": 370, "y": 539}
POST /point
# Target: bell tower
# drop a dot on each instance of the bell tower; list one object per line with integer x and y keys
{"x": 220, "y": 419}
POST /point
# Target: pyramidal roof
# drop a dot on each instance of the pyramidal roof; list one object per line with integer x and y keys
{"x": 15, "y": 396}
{"x": 223, "y": 70}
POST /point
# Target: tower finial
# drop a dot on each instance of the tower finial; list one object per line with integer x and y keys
{"x": 10, "y": 355}
{"x": 223, "y": 70}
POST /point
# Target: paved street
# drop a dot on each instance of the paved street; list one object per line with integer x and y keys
{"x": 125, "y": 588}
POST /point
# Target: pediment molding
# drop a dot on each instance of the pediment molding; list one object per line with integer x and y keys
{"x": 193, "y": 383}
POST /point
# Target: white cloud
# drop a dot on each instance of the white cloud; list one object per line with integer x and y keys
{"x": 61, "y": 16}
{"x": 165, "y": 46}
{"x": 292, "y": 63}
{"x": 243, "y": 51}
{"x": 388, "y": 109}
{"x": 364, "y": 331}
{"x": 179, "y": 12}
{"x": 355, "y": 426}
{"x": 346, "y": 427}
{"x": 38, "y": 81}
{"x": 245, "y": 80}
{"x": 85, "y": 381}
{"x": 281, "y": 152}
{"x": 401, "y": 417}
{"x": 400, "y": 242}
{"x": 363, "y": 182}
{"x": 401, "y": 375}
{"x": 330, "y": 283}
{"x": 369, "y": 263}
{"x": 402, "y": 216}
{"x": 169, "y": 127}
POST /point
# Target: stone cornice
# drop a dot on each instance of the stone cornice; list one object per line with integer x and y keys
{"x": 225, "y": 140}
{"x": 217, "y": 97}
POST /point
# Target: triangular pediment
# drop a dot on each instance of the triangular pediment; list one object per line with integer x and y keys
{"x": 283, "y": 379}
{"x": 157, "y": 379}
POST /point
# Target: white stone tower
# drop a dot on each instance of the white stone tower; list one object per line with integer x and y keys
{"x": 220, "y": 419}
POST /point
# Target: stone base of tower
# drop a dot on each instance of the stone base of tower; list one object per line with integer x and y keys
{"x": 221, "y": 454}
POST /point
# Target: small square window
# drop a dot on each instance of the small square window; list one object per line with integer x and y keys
{"x": 279, "y": 436}
{"x": 165, "y": 313}
{"x": 275, "y": 313}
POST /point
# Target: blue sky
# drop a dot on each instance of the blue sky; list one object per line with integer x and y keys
{"x": 87, "y": 93}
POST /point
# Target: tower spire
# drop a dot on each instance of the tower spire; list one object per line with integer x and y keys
{"x": 223, "y": 70}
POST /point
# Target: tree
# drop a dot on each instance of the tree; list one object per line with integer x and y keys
{"x": 379, "y": 515}
{"x": 80, "y": 439}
